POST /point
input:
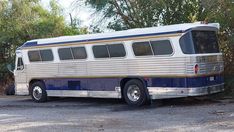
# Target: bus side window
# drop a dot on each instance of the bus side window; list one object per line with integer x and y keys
{"x": 116, "y": 50}
{"x": 142, "y": 48}
{"x": 100, "y": 51}
{"x": 79, "y": 52}
{"x": 65, "y": 54}
{"x": 20, "y": 64}
{"x": 161, "y": 47}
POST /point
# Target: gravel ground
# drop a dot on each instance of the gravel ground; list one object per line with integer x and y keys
{"x": 86, "y": 114}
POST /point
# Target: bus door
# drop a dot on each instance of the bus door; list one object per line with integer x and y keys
{"x": 20, "y": 76}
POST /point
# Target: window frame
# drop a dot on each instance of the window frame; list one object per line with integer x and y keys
{"x": 51, "y": 53}
{"x": 39, "y": 50}
{"x": 73, "y": 59}
{"x": 172, "y": 47}
{"x": 34, "y": 61}
{"x": 124, "y": 46}
{"x": 153, "y": 55}
{"x": 101, "y": 57}
{"x": 139, "y": 42}
{"x": 84, "y": 50}
{"x": 65, "y": 48}
{"x": 191, "y": 41}
{"x": 195, "y": 45}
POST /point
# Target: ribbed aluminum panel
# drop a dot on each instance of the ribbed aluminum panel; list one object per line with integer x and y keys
{"x": 72, "y": 69}
{"x": 111, "y": 67}
{"x": 147, "y": 66}
{"x": 42, "y": 70}
{"x": 212, "y": 64}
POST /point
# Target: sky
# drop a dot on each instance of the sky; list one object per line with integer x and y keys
{"x": 69, "y": 6}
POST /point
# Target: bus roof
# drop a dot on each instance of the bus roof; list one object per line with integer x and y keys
{"x": 131, "y": 33}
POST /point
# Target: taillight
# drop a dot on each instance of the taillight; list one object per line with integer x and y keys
{"x": 196, "y": 68}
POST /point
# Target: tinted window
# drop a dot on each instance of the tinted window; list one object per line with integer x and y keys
{"x": 100, "y": 51}
{"x": 198, "y": 42}
{"x": 186, "y": 44}
{"x": 116, "y": 50}
{"x": 205, "y": 42}
{"x": 142, "y": 48}
{"x": 20, "y": 64}
{"x": 79, "y": 53}
{"x": 162, "y": 47}
{"x": 34, "y": 56}
{"x": 65, "y": 54}
{"x": 46, "y": 55}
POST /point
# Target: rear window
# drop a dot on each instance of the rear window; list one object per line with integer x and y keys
{"x": 199, "y": 42}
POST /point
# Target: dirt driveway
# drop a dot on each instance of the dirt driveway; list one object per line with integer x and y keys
{"x": 82, "y": 114}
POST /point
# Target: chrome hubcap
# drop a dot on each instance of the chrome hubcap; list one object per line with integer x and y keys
{"x": 37, "y": 92}
{"x": 133, "y": 93}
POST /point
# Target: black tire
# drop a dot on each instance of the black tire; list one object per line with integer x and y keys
{"x": 139, "y": 97}
{"x": 38, "y": 92}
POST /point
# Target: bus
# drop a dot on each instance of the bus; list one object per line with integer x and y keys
{"x": 137, "y": 65}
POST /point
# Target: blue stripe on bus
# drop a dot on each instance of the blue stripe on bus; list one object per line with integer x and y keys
{"x": 186, "y": 82}
{"x": 30, "y": 44}
{"x": 95, "y": 84}
{"x": 27, "y": 44}
{"x": 109, "y": 84}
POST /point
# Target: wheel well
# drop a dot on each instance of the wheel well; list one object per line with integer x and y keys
{"x": 33, "y": 81}
{"x": 125, "y": 80}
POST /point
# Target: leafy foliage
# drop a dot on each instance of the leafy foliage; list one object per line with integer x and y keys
{"x": 22, "y": 20}
{"x": 222, "y": 11}
{"x": 126, "y": 14}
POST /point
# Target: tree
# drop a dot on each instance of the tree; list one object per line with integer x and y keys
{"x": 126, "y": 14}
{"x": 22, "y": 20}
{"x": 222, "y": 11}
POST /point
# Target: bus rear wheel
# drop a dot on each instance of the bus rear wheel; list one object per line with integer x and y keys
{"x": 134, "y": 93}
{"x": 38, "y": 92}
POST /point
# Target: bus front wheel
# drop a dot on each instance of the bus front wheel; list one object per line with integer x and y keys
{"x": 38, "y": 92}
{"x": 134, "y": 93}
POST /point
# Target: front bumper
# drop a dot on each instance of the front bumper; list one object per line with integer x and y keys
{"x": 162, "y": 92}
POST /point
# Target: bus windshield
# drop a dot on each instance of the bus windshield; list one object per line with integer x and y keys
{"x": 201, "y": 42}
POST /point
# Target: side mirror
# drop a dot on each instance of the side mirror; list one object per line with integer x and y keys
{"x": 10, "y": 68}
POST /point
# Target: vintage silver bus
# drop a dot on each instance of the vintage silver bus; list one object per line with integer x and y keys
{"x": 137, "y": 65}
